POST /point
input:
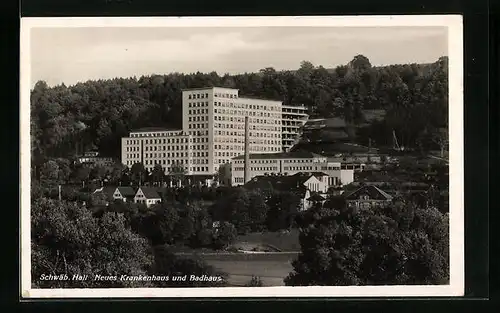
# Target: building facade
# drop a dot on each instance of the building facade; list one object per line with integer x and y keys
{"x": 293, "y": 120}
{"x": 92, "y": 158}
{"x": 213, "y": 132}
{"x": 290, "y": 164}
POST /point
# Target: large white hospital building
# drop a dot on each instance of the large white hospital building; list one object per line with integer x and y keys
{"x": 213, "y": 132}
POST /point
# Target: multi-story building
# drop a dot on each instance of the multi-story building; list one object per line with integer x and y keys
{"x": 152, "y": 145}
{"x": 290, "y": 163}
{"x": 213, "y": 132}
{"x": 294, "y": 118}
{"x": 92, "y": 158}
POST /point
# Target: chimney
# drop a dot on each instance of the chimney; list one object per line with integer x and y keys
{"x": 246, "y": 175}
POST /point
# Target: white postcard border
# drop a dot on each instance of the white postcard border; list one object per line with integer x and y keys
{"x": 456, "y": 171}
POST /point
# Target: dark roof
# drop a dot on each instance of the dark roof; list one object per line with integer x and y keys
{"x": 334, "y": 122}
{"x": 280, "y": 183}
{"x": 373, "y": 192}
{"x": 150, "y": 192}
{"x": 282, "y": 155}
{"x": 127, "y": 191}
{"x": 152, "y": 129}
{"x": 316, "y": 197}
{"x": 318, "y": 174}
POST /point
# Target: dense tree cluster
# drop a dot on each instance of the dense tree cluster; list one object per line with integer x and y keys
{"x": 68, "y": 119}
{"x": 71, "y": 238}
{"x": 401, "y": 244}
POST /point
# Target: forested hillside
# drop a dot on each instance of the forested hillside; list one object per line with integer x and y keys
{"x": 99, "y": 113}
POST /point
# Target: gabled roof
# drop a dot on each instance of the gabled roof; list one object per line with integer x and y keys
{"x": 150, "y": 192}
{"x": 126, "y": 191}
{"x": 373, "y": 192}
{"x": 316, "y": 197}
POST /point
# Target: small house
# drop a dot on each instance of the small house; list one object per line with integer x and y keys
{"x": 125, "y": 193}
{"x": 369, "y": 196}
{"x": 147, "y": 196}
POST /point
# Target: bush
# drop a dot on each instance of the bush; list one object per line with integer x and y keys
{"x": 255, "y": 282}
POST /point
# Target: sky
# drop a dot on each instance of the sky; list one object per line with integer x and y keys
{"x": 71, "y": 55}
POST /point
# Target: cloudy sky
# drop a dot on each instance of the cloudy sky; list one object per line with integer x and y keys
{"x": 71, "y": 55}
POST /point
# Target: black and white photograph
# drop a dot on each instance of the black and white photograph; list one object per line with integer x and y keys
{"x": 242, "y": 156}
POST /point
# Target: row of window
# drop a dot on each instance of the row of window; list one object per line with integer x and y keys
{"x": 196, "y": 126}
{"x": 199, "y": 133}
{"x": 165, "y": 148}
{"x": 176, "y": 155}
{"x": 159, "y": 141}
{"x": 201, "y": 118}
{"x": 260, "y": 169}
{"x": 226, "y": 154}
{"x": 242, "y": 134}
{"x": 330, "y": 168}
{"x": 226, "y": 95}
{"x": 247, "y": 106}
{"x": 228, "y": 118}
{"x": 197, "y": 104}
{"x": 276, "y": 116}
{"x": 241, "y": 140}
{"x": 166, "y": 162}
{"x": 298, "y": 168}
{"x": 162, "y": 134}
{"x": 267, "y": 161}
{"x": 198, "y": 96}
{"x": 198, "y": 111}
{"x": 252, "y": 127}
{"x": 270, "y": 161}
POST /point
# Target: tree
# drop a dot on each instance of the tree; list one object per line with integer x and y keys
{"x": 177, "y": 172}
{"x": 255, "y": 282}
{"x": 98, "y": 198}
{"x": 68, "y": 240}
{"x": 440, "y": 137}
{"x": 81, "y": 174}
{"x": 186, "y": 226}
{"x": 157, "y": 174}
{"x": 347, "y": 246}
{"x": 98, "y": 172}
{"x": 224, "y": 235}
{"x": 139, "y": 173}
{"x": 50, "y": 172}
{"x": 257, "y": 211}
{"x": 283, "y": 206}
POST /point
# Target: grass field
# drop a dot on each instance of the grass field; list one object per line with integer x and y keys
{"x": 288, "y": 241}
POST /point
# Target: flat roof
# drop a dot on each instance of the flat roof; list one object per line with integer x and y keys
{"x": 205, "y": 88}
{"x": 153, "y": 129}
{"x": 282, "y": 155}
